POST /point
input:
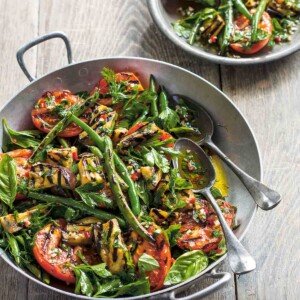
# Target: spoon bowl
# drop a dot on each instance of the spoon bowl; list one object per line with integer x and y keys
{"x": 239, "y": 259}
{"x": 263, "y": 196}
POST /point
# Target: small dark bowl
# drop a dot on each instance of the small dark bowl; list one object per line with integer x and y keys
{"x": 164, "y": 12}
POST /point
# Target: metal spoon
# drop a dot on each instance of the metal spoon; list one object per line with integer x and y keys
{"x": 263, "y": 196}
{"x": 239, "y": 259}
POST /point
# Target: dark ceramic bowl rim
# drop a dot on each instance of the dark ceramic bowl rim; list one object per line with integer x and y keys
{"x": 156, "y": 13}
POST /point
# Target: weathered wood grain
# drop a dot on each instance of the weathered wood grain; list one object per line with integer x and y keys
{"x": 269, "y": 98}
{"x": 17, "y": 26}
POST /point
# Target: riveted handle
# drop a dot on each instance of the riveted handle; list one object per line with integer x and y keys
{"x": 38, "y": 40}
{"x": 222, "y": 279}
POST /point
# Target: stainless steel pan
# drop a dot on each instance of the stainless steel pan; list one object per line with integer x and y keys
{"x": 233, "y": 134}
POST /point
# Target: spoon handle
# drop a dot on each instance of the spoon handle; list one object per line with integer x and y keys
{"x": 239, "y": 259}
{"x": 264, "y": 197}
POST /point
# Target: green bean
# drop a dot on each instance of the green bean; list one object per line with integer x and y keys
{"x": 34, "y": 270}
{"x": 153, "y": 109}
{"x": 98, "y": 213}
{"x": 142, "y": 117}
{"x": 133, "y": 196}
{"x": 119, "y": 196}
{"x": 63, "y": 142}
{"x": 105, "y": 145}
{"x": 241, "y": 7}
{"x": 14, "y": 248}
{"x": 79, "y": 110}
{"x": 195, "y": 30}
{"x": 45, "y": 277}
{"x": 163, "y": 100}
{"x": 256, "y": 18}
{"x": 96, "y": 151}
{"x": 228, "y": 25}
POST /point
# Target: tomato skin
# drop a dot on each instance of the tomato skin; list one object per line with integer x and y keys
{"x": 46, "y": 241}
{"x": 135, "y": 176}
{"x": 42, "y": 116}
{"x": 159, "y": 251}
{"x": 135, "y": 127}
{"x": 242, "y": 23}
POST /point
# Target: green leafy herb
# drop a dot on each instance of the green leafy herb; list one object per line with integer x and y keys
{"x": 173, "y": 234}
{"x": 187, "y": 265}
{"x": 161, "y": 161}
{"x": 24, "y": 139}
{"x": 83, "y": 283}
{"x": 8, "y": 180}
{"x": 147, "y": 263}
{"x": 90, "y": 195}
{"x": 139, "y": 287}
{"x": 215, "y": 254}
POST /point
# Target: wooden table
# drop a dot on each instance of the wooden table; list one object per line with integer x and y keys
{"x": 267, "y": 95}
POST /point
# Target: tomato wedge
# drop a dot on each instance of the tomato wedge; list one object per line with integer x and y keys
{"x": 242, "y": 26}
{"x": 51, "y": 257}
{"x": 20, "y": 157}
{"x": 161, "y": 252}
{"x": 44, "y": 116}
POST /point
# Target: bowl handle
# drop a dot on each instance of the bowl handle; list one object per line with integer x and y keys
{"x": 38, "y": 40}
{"x": 223, "y": 278}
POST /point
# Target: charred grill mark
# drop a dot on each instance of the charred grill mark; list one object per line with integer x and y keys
{"x": 48, "y": 238}
{"x": 59, "y": 178}
{"x": 115, "y": 254}
{"x": 110, "y": 228}
{"x": 161, "y": 245}
{"x": 134, "y": 81}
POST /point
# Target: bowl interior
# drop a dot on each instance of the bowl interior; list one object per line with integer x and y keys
{"x": 232, "y": 133}
{"x": 164, "y": 13}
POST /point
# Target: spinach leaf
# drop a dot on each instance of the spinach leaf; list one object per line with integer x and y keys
{"x": 143, "y": 192}
{"x": 24, "y": 139}
{"x": 90, "y": 195}
{"x": 172, "y": 232}
{"x": 8, "y": 180}
{"x": 147, "y": 263}
{"x": 137, "y": 288}
{"x": 167, "y": 119}
{"x": 83, "y": 283}
{"x": 187, "y": 265}
{"x": 161, "y": 161}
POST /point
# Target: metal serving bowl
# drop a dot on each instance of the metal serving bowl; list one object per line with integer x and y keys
{"x": 164, "y": 12}
{"x": 234, "y": 137}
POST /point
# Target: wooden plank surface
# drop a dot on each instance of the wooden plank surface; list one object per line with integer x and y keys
{"x": 266, "y": 94}
{"x": 269, "y": 98}
{"x": 16, "y": 28}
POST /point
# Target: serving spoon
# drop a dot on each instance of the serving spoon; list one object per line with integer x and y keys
{"x": 240, "y": 260}
{"x": 263, "y": 196}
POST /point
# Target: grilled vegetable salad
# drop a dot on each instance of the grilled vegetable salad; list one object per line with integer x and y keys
{"x": 90, "y": 197}
{"x": 237, "y": 27}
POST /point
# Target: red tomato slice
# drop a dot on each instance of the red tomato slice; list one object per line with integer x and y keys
{"x": 43, "y": 117}
{"x": 50, "y": 256}
{"x": 243, "y": 24}
{"x": 159, "y": 251}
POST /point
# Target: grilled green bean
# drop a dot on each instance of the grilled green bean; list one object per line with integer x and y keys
{"x": 98, "y": 213}
{"x": 118, "y": 194}
{"x": 228, "y": 12}
{"x": 256, "y": 18}
{"x": 153, "y": 107}
{"x": 133, "y": 196}
{"x": 34, "y": 270}
{"x": 14, "y": 248}
{"x": 241, "y": 7}
{"x": 63, "y": 142}
{"x": 163, "y": 100}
